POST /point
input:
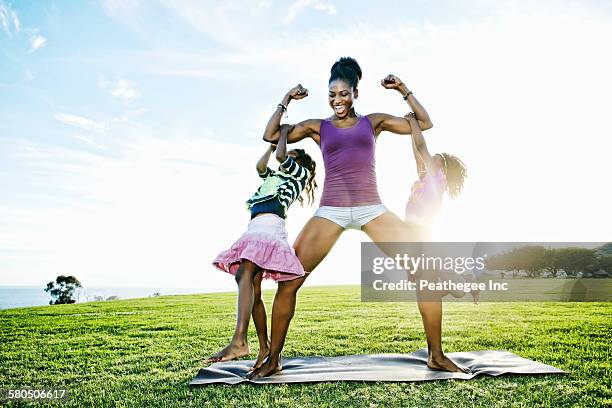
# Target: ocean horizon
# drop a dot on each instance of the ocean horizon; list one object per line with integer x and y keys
{"x": 27, "y": 296}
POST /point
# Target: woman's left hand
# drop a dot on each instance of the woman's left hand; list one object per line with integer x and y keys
{"x": 391, "y": 82}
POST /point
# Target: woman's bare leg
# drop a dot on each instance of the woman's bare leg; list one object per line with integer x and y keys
{"x": 260, "y": 320}
{"x": 312, "y": 245}
{"x": 239, "y": 346}
{"x": 389, "y": 228}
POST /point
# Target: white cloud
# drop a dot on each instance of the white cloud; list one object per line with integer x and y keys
{"x": 8, "y": 19}
{"x": 89, "y": 140}
{"x": 326, "y": 7}
{"x": 131, "y": 114}
{"x": 16, "y": 22}
{"x": 189, "y": 73}
{"x": 295, "y": 8}
{"x": 37, "y": 42}
{"x": 121, "y": 8}
{"x": 299, "y": 5}
{"x": 79, "y": 121}
{"x": 124, "y": 90}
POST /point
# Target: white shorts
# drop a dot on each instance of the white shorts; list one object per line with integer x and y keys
{"x": 351, "y": 217}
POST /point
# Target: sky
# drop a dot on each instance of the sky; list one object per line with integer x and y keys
{"x": 129, "y": 129}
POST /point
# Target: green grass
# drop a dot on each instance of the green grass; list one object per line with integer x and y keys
{"x": 144, "y": 352}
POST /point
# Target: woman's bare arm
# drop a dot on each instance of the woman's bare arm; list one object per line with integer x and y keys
{"x": 300, "y": 131}
{"x": 393, "y": 82}
{"x": 394, "y": 124}
{"x": 281, "y": 147}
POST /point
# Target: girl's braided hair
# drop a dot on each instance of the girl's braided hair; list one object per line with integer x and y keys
{"x": 455, "y": 172}
{"x": 306, "y": 161}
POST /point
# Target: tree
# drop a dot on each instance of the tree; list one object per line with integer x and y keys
{"x": 574, "y": 260}
{"x": 531, "y": 259}
{"x": 604, "y": 263}
{"x": 551, "y": 262}
{"x": 63, "y": 289}
{"x": 604, "y": 250}
{"x": 502, "y": 262}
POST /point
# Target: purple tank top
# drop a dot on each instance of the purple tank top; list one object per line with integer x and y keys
{"x": 350, "y": 167}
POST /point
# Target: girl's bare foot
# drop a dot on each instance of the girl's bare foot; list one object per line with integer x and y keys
{"x": 231, "y": 352}
{"x": 268, "y": 368}
{"x": 470, "y": 278}
{"x": 261, "y": 357}
{"x": 444, "y": 363}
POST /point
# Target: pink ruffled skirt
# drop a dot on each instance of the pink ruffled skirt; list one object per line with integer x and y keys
{"x": 265, "y": 244}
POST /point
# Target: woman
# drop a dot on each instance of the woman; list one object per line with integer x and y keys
{"x": 350, "y": 195}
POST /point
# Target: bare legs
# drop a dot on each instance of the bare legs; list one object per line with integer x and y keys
{"x": 282, "y": 313}
{"x": 261, "y": 322}
{"x": 389, "y": 228}
{"x": 312, "y": 245}
{"x": 239, "y": 347}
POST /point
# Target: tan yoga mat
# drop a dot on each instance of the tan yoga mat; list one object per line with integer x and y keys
{"x": 375, "y": 367}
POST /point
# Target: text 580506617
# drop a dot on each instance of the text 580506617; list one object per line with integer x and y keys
{"x": 33, "y": 394}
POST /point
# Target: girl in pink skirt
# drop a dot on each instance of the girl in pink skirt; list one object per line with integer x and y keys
{"x": 263, "y": 250}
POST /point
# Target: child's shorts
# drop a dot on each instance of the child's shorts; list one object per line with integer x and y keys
{"x": 265, "y": 244}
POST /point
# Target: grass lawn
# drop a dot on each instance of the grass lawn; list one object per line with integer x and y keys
{"x": 144, "y": 352}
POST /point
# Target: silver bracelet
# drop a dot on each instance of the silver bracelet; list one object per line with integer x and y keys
{"x": 283, "y": 110}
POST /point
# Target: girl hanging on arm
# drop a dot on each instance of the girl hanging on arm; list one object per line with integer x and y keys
{"x": 263, "y": 250}
{"x": 438, "y": 174}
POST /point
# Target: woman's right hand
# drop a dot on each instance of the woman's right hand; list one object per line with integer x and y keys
{"x": 297, "y": 92}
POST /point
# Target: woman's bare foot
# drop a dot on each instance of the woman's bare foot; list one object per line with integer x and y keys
{"x": 268, "y": 368}
{"x": 231, "y": 352}
{"x": 261, "y": 357}
{"x": 444, "y": 363}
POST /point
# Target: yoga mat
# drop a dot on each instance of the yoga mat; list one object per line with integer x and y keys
{"x": 374, "y": 367}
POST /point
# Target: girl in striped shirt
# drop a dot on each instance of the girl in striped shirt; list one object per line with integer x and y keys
{"x": 263, "y": 250}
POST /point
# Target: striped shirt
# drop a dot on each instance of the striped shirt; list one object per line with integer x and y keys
{"x": 287, "y": 183}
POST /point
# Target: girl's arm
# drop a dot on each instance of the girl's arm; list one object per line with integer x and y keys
{"x": 384, "y": 122}
{"x": 289, "y": 166}
{"x": 281, "y": 147}
{"x": 419, "y": 143}
{"x": 417, "y": 157}
{"x": 262, "y": 163}
{"x": 302, "y": 130}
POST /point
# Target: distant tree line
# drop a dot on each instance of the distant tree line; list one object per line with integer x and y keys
{"x": 535, "y": 261}
{"x": 63, "y": 288}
